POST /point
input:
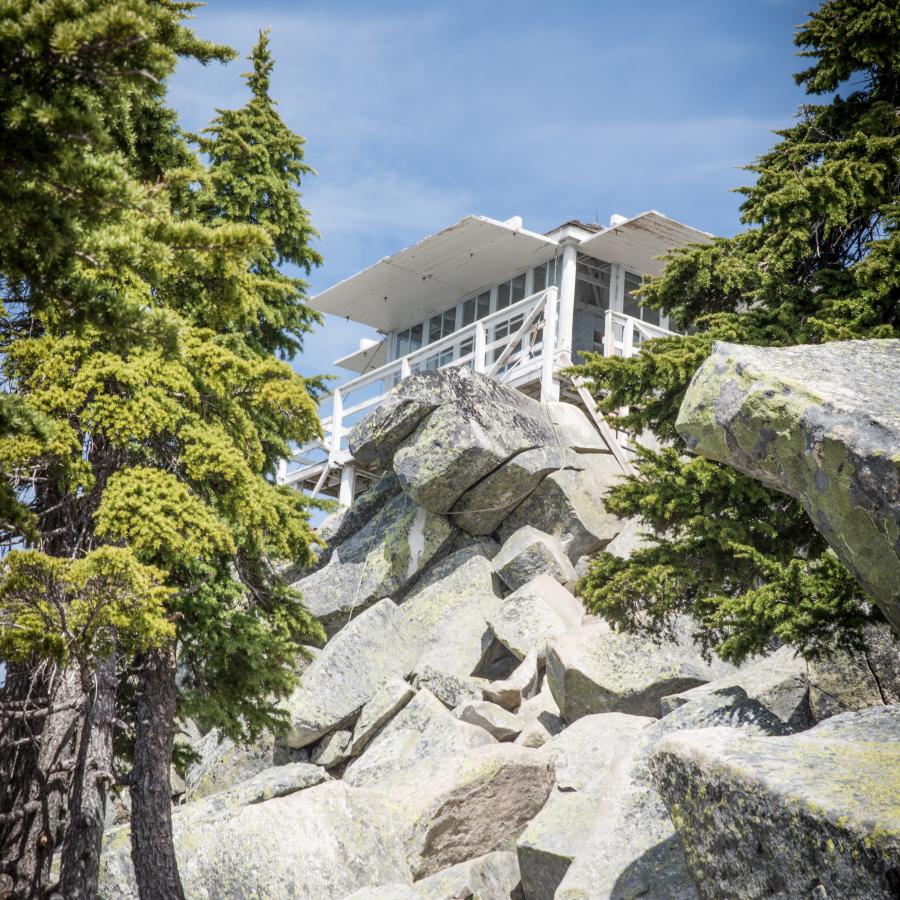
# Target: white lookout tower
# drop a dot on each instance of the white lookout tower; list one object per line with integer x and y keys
{"x": 514, "y": 304}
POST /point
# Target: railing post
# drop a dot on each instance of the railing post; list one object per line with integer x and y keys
{"x": 404, "y": 368}
{"x": 609, "y": 335}
{"x": 549, "y": 389}
{"x": 348, "y": 485}
{"x": 628, "y": 338}
{"x": 281, "y": 472}
{"x": 337, "y": 416}
{"x": 479, "y": 362}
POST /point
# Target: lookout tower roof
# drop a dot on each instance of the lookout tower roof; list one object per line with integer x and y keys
{"x": 477, "y": 252}
{"x": 441, "y": 268}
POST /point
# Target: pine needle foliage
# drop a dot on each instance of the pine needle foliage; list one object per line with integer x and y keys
{"x": 820, "y": 261}
{"x": 148, "y": 410}
{"x": 256, "y": 164}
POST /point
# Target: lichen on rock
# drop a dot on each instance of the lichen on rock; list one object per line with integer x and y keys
{"x": 822, "y": 424}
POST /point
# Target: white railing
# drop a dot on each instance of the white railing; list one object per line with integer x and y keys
{"x": 623, "y": 335}
{"x": 507, "y": 344}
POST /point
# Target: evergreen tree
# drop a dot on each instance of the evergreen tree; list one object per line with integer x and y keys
{"x": 80, "y": 231}
{"x": 256, "y": 164}
{"x": 821, "y": 262}
{"x": 239, "y": 634}
{"x": 153, "y": 522}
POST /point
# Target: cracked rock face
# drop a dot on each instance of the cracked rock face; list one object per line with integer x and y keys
{"x": 354, "y": 665}
{"x": 821, "y": 423}
{"x": 384, "y": 555}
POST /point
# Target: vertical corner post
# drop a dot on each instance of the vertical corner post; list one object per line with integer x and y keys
{"x": 549, "y": 387}
{"x": 567, "y": 297}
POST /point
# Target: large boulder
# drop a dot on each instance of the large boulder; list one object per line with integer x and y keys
{"x": 342, "y": 524}
{"x": 355, "y": 663}
{"x": 446, "y": 613}
{"x": 384, "y": 705}
{"x": 632, "y": 850}
{"x": 500, "y": 723}
{"x": 822, "y": 424}
{"x": 494, "y": 875}
{"x": 423, "y": 729}
{"x": 332, "y": 750}
{"x": 813, "y": 814}
{"x": 540, "y": 719}
{"x": 314, "y": 844}
{"x": 223, "y": 763}
{"x": 482, "y": 508}
{"x": 581, "y": 755}
{"x": 451, "y": 690}
{"x": 583, "y": 752}
{"x": 595, "y": 669}
{"x": 846, "y": 680}
{"x": 575, "y": 429}
{"x": 450, "y": 809}
{"x": 523, "y": 683}
{"x": 378, "y": 560}
{"x": 553, "y": 840}
{"x": 775, "y": 685}
{"x": 441, "y": 432}
{"x": 533, "y": 614}
{"x": 527, "y": 553}
{"x": 570, "y": 505}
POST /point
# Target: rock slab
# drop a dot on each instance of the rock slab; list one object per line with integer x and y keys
{"x": 595, "y": 669}
{"x": 528, "y": 553}
{"x": 815, "y": 814}
{"x": 450, "y": 809}
{"x": 822, "y": 424}
{"x": 358, "y": 661}
{"x": 378, "y": 560}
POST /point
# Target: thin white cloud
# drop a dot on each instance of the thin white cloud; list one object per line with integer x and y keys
{"x": 416, "y": 115}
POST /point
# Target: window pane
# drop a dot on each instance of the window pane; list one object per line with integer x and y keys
{"x": 650, "y": 315}
{"x": 631, "y": 306}
{"x": 434, "y": 329}
{"x": 448, "y": 322}
{"x": 595, "y": 275}
{"x": 415, "y": 337}
{"x": 484, "y": 304}
{"x": 540, "y": 277}
{"x": 468, "y": 312}
{"x": 585, "y": 293}
{"x": 503, "y": 295}
{"x": 518, "y": 288}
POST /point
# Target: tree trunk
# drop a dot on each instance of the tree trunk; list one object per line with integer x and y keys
{"x": 80, "y": 864}
{"x": 39, "y": 734}
{"x": 152, "y": 848}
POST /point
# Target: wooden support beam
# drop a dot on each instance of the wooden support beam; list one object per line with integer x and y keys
{"x": 527, "y": 325}
{"x": 603, "y": 427}
{"x": 321, "y": 482}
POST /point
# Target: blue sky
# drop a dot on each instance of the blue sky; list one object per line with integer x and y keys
{"x": 417, "y": 114}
